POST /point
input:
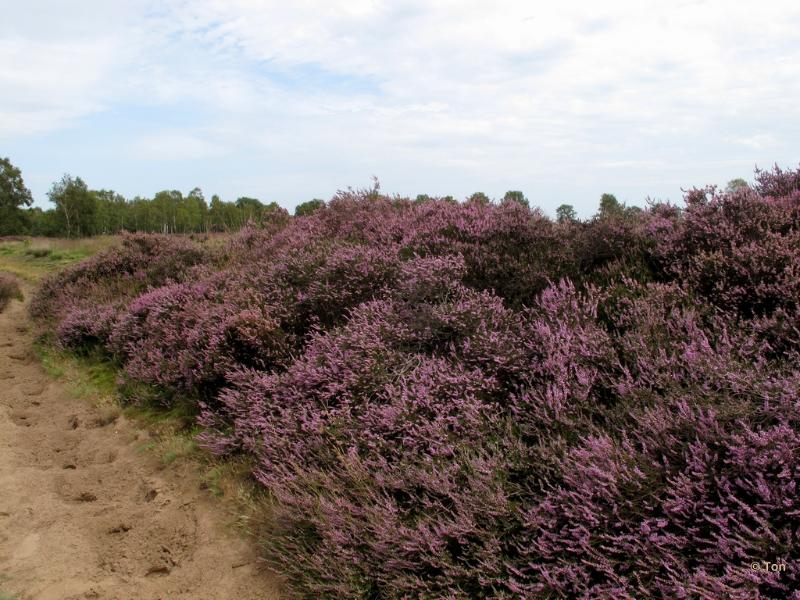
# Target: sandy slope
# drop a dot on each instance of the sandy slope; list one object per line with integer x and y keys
{"x": 83, "y": 515}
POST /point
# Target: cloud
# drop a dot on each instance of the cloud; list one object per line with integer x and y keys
{"x": 174, "y": 145}
{"x": 514, "y": 92}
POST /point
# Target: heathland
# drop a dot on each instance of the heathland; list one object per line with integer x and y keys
{"x": 459, "y": 400}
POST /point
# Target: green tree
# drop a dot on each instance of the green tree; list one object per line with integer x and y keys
{"x": 195, "y": 211}
{"x": 478, "y": 198}
{"x": 566, "y": 214}
{"x": 250, "y": 209}
{"x": 110, "y": 211}
{"x": 734, "y": 185}
{"x": 44, "y": 222}
{"x": 306, "y": 208}
{"x": 223, "y": 215}
{"x": 13, "y": 196}
{"x": 610, "y": 207}
{"x": 422, "y": 198}
{"x": 516, "y": 196}
{"x": 165, "y": 210}
{"x": 632, "y": 211}
{"x": 75, "y": 205}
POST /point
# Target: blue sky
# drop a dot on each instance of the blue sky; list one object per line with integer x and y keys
{"x": 292, "y": 101}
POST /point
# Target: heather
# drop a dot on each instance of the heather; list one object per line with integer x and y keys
{"x": 448, "y": 400}
{"x": 82, "y": 301}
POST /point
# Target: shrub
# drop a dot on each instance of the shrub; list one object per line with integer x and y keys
{"x": 739, "y": 249}
{"x": 74, "y": 297}
{"x": 458, "y": 401}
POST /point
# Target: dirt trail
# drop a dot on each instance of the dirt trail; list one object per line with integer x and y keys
{"x": 83, "y": 515}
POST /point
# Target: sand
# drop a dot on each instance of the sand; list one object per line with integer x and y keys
{"x": 83, "y": 514}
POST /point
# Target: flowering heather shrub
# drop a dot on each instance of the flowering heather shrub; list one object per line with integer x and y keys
{"x": 185, "y": 337}
{"x": 465, "y": 401}
{"x": 84, "y": 328}
{"x": 508, "y": 249}
{"x": 739, "y": 249}
{"x": 401, "y": 474}
{"x": 9, "y": 290}
{"x": 141, "y": 262}
{"x": 778, "y": 183}
{"x": 607, "y": 249}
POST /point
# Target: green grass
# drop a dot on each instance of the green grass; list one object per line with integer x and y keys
{"x": 91, "y": 377}
{"x": 34, "y": 258}
{"x": 5, "y": 595}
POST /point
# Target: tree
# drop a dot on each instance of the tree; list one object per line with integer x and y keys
{"x": 166, "y": 207}
{"x": 422, "y": 198}
{"x": 610, "y": 207}
{"x": 516, "y": 196}
{"x": 734, "y": 185}
{"x": 44, "y": 222}
{"x": 110, "y": 209}
{"x": 75, "y": 205}
{"x": 478, "y": 198}
{"x": 566, "y": 214}
{"x": 13, "y": 196}
{"x": 250, "y": 209}
{"x": 306, "y": 208}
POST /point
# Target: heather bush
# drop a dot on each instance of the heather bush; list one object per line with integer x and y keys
{"x": 508, "y": 249}
{"x": 463, "y": 401}
{"x": 407, "y": 475}
{"x": 187, "y": 337}
{"x": 86, "y": 328}
{"x": 9, "y": 290}
{"x": 739, "y": 249}
{"x": 139, "y": 263}
{"x": 607, "y": 249}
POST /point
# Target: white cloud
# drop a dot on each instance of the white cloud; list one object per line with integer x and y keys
{"x": 514, "y": 91}
{"x": 174, "y": 145}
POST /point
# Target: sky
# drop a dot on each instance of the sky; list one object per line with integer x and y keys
{"x": 289, "y": 101}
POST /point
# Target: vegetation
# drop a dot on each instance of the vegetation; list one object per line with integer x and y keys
{"x": 80, "y": 211}
{"x": 471, "y": 400}
{"x": 9, "y": 290}
{"x": 516, "y": 196}
{"x": 33, "y": 258}
{"x": 13, "y": 196}
{"x": 306, "y": 208}
{"x": 566, "y": 213}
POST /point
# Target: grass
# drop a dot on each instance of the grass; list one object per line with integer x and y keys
{"x": 90, "y": 378}
{"x": 34, "y": 258}
{"x": 5, "y": 595}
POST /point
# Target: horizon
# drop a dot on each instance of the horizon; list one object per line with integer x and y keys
{"x": 287, "y": 104}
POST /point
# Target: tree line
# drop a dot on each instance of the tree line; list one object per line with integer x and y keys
{"x": 79, "y": 211}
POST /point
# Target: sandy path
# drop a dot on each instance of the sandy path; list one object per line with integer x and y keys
{"x": 83, "y": 515}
